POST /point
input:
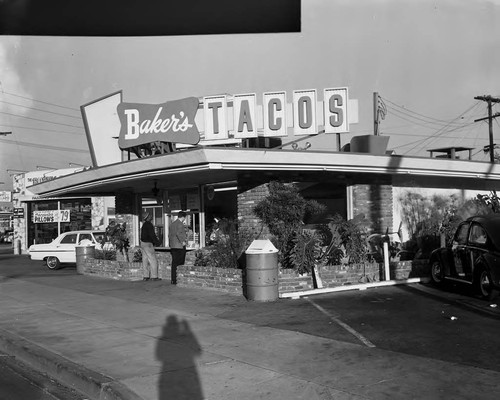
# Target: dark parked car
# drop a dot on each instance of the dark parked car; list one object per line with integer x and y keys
{"x": 474, "y": 256}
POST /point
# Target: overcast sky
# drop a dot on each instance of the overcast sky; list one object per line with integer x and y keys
{"x": 427, "y": 59}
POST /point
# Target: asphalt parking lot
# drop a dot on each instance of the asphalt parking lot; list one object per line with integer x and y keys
{"x": 448, "y": 324}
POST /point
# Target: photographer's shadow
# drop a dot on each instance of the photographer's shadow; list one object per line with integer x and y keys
{"x": 177, "y": 350}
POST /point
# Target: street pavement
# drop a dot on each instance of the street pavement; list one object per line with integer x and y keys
{"x": 151, "y": 340}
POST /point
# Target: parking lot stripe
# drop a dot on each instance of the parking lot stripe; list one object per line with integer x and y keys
{"x": 352, "y": 331}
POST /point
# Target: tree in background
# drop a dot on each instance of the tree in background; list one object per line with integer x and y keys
{"x": 428, "y": 218}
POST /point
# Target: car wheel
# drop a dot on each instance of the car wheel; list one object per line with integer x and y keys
{"x": 436, "y": 272}
{"x": 52, "y": 262}
{"x": 484, "y": 284}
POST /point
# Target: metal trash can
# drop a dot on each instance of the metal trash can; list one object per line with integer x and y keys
{"x": 83, "y": 253}
{"x": 262, "y": 271}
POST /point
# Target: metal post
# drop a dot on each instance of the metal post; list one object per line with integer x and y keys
{"x": 386, "y": 261}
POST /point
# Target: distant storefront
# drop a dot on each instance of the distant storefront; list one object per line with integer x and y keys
{"x": 40, "y": 220}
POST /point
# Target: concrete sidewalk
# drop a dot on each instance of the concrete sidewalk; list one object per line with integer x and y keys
{"x": 152, "y": 340}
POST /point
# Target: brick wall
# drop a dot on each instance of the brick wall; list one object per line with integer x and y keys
{"x": 338, "y": 275}
{"x": 410, "y": 269}
{"x": 224, "y": 280}
{"x": 290, "y": 281}
{"x": 375, "y": 202}
{"x": 250, "y": 192}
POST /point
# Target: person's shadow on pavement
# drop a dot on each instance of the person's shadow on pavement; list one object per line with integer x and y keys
{"x": 177, "y": 349}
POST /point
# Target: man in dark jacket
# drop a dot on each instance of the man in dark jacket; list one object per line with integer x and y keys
{"x": 148, "y": 242}
{"x": 177, "y": 239}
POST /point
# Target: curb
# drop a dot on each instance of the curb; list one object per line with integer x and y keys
{"x": 343, "y": 288}
{"x": 92, "y": 384}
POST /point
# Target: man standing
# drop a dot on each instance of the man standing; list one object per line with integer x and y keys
{"x": 177, "y": 239}
{"x": 148, "y": 243}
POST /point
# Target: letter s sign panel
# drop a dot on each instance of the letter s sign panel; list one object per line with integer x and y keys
{"x": 335, "y": 110}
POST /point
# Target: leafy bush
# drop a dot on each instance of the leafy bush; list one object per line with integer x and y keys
{"x": 137, "y": 255}
{"x": 283, "y": 211}
{"x": 105, "y": 254}
{"x": 348, "y": 241}
{"x": 116, "y": 234}
{"x": 306, "y": 251}
{"x": 227, "y": 250}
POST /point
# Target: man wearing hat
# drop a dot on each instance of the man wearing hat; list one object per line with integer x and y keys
{"x": 148, "y": 242}
{"x": 177, "y": 238}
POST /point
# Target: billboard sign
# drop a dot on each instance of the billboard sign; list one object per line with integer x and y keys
{"x": 172, "y": 121}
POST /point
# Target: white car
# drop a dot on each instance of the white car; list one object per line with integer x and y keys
{"x": 62, "y": 248}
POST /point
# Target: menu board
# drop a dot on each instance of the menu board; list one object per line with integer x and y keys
{"x": 175, "y": 202}
{"x": 46, "y": 216}
{"x": 193, "y": 201}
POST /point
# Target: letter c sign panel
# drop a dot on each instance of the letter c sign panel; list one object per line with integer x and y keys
{"x": 274, "y": 108}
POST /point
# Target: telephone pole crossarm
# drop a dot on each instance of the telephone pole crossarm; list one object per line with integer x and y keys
{"x": 485, "y": 118}
{"x": 488, "y": 99}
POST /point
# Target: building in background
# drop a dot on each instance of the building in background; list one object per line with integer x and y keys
{"x": 40, "y": 220}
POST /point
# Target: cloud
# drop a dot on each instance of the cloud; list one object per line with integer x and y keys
{"x": 10, "y": 80}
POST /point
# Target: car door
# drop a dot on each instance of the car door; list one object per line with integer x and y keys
{"x": 475, "y": 248}
{"x": 459, "y": 250}
{"x": 66, "y": 248}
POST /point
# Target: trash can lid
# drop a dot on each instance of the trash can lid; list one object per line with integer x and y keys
{"x": 261, "y": 247}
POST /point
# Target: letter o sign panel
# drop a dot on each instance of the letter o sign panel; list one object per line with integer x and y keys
{"x": 304, "y": 112}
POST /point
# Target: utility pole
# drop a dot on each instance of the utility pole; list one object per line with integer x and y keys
{"x": 375, "y": 114}
{"x": 489, "y": 100}
{"x": 379, "y": 111}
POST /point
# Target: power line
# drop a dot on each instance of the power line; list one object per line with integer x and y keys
{"x": 409, "y": 112}
{"x": 39, "y": 101}
{"x": 393, "y": 110}
{"x": 41, "y": 129}
{"x": 421, "y": 135}
{"x": 42, "y": 146}
{"x": 39, "y": 109}
{"x": 40, "y": 120}
{"x": 439, "y": 133}
{"x": 425, "y": 124}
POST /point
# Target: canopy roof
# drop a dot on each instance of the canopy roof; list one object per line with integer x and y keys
{"x": 192, "y": 167}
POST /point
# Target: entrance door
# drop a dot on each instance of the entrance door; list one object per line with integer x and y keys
{"x": 156, "y": 210}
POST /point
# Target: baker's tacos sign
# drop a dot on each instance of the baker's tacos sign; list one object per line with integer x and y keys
{"x": 172, "y": 121}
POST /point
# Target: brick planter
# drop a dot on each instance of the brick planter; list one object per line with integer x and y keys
{"x": 222, "y": 279}
{"x": 233, "y": 280}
